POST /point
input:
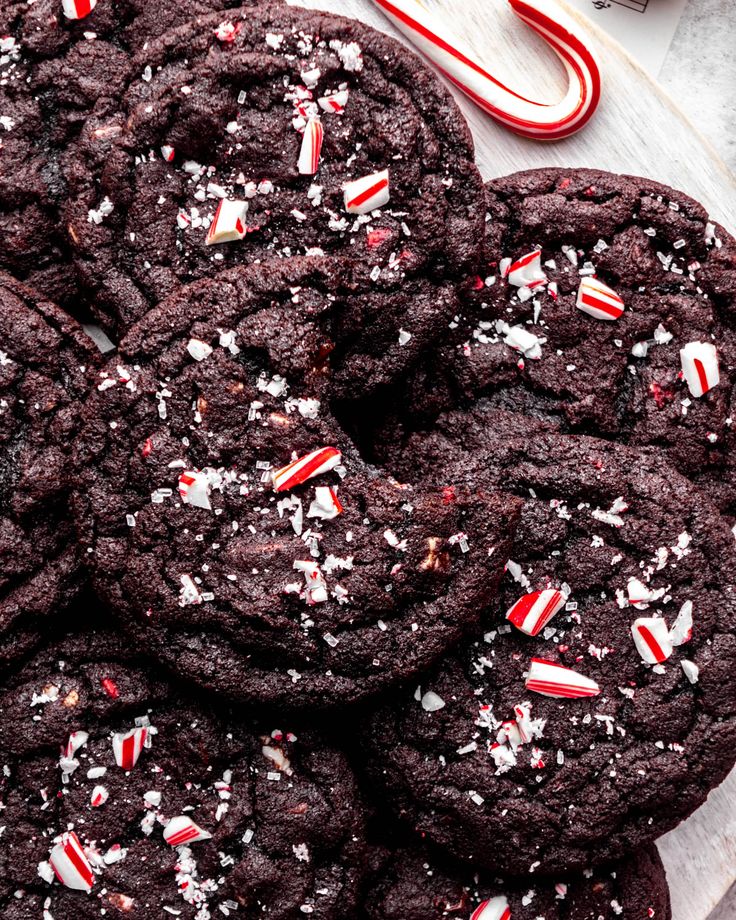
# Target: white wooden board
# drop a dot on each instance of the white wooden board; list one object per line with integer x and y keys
{"x": 639, "y": 130}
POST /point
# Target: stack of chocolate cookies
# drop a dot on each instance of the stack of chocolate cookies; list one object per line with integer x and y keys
{"x": 384, "y": 570}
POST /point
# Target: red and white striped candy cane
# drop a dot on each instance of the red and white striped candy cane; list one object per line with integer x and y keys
{"x": 367, "y": 193}
{"x": 70, "y": 865}
{"x": 493, "y": 909}
{"x": 228, "y": 224}
{"x": 551, "y": 679}
{"x": 532, "y": 612}
{"x": 181, "y": 830}
{"x": 458, "y": 63}
{"x": 652, "y": 639}
{"x": 311, "y": 148}
{"x": 298, "y": 471}
{"x": 77, "y": 9}
{"x": 526, "y": 271}
{"x": 597, "y": 299}
{"x": 700, "y": 367}
{"x": 127, "y": 747}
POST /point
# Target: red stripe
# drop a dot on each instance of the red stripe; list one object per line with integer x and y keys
{"x": 654, "y": 646}
{"x": 78, "y": 861}
{"x": 127, "y": 753}
{"x": 368, "y": 193}
{"x": 592, "y": 301}
{"x": 567, "y": 690}
{"x": 83, "y": 7}
{"x": 702, "y": 376}
{"x": 307, "y": 470}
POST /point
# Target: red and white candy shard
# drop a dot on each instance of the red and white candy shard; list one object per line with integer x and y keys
{"x": 75, "y": 742}
{"x": 652, "y": 639}
{"x": 325, "y": 505}
{"x": 194, "y": 489}
{"x": 70, "y": 865}
{"x": 640, "y": 595}
{"x": 368, "y": 193}
{"x": 682, "y": 628}
{"x": 298, "y": 471}
{"x": 77, "y": 9}
{"x": 181, "y": 830}
{"x": 597, "y": 299}
{"x": 99, "y": 796}
{"x": 312, "y": 138}
{"x": 127, "y": 747}
{"x": 228, "y": 224}
{"x": 335, "y": 103}
{"x": 315, "y": 581}
{"x": 550, "y": 679}
{"x": 700, "y": 367}
{"x": 493, "y": 909}
{"x": 526, "y": 271}
{"x": 168, "y": 152}
{"x": 532, "y": 612}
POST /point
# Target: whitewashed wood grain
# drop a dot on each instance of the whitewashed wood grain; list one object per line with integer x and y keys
{"x": 638, "y": 130}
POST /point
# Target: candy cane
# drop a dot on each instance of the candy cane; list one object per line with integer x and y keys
{"x": 70, "y": 865}
{"x": 127, "y": 747}
{"x": 523, "y": 116}
{"x": 652, "y": 639}
{"x": 700, "y": 367}
{"x": 334, "y": 104}
{"x": 532, "y": 612}
{"x": 194, "y": 489}
{"x": 309, "y": 152}
{"x": 493, "y": 909}
{"x": 228, "y": 224}
{"x": 77, "y": 9}
{"x": 75, "y": 742}
{"x": 598, "y": 300}
{"x": 314, "y": 464}
{"x": 367, "y": 193}
{"x": 550, "y": 679}
{"x": 181, "y": 830}
{"x": 325, "y": 505}
{"x": 526, "y": 271}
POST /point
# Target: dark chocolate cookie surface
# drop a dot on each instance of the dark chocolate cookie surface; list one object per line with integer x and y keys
{"x": 45, "y": 358}
{"x": 233, "y": 525}
{"x": 282, "y": 132}
{"x": 412, "y": 885}
{"x": 124, "y": 796}
{"x": 594, "y": 285}
{"x": 598, "y": 707}
{"x": 58, "y": 61}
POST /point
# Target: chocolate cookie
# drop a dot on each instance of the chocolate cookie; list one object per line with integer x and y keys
{"x": 282, "y": 132}
{"x": 598, "y": 706}
{"x": 594, "y": 285}
{"x": 412, "y": 885}
{"x": 121, "y": 795}
{"x": 44, "y": 360}
{"x": 232, "y": 524}
{"x": 58, "y": 61}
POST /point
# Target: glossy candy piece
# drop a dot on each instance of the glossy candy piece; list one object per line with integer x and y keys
{"x": 70, "y": 865}
{"x": 367, "y": 193}
{"x": 551, "y": 679}
{"x": 598, "y": 300}
{"x": 182, "y": 830}
{"x": 127, "y": 747}
{"x": 531, "y": 613}
{"x": 313, "y": 464}
{"x": 493, "y": 909}
{"x": 652, "y": 639}
{"x": 700, "y": 367}
{"x": 311, "y": 147}
{"x": 77, "y": 9}
{"x": 228, "y": 224}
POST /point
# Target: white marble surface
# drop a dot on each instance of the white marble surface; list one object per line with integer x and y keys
{"x": 700, "y": 74}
